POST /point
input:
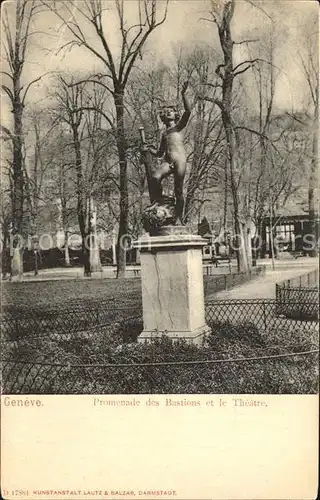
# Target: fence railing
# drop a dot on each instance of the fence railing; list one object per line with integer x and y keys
{"x": 306, "y": 280}
{"x": 298, "y": 297}
{"x": 263, "y": 313}
{"x": 217, "y": 283}
{"x": 84, "y": 320}
{"x": 91, "y": 349}
{"x": 270, "y": 372}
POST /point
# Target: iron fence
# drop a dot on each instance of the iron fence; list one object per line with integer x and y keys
{"x": 265, "y": 314}
{"x": 86, "y": 319}
{"x": 306, "y": 280}
{"x": 299, "y": 303}
{"x": 298, "y": 297}
{"x": 218, "y": 283}
{"x": 267, "y": 373}
{"x": 91, "y": 350}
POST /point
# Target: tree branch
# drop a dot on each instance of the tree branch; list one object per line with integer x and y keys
{"x": 246, "y": 41}
{"x": 218, "y": 70}
{"x": 31, "y": 83}
{"x": 7, "y": 74}
{"x": 250, "y": 61}
{"x": 134, "y": 54}
{"x": 248, "y": 129}
{"x": 79, "y": 38}
{"x": 8, "y": 92}
{"x": 242, "y": 70}
{"x": 214, "y": 101}
{"x": 91, "y": 80}
{"x": 7, "y": 131}
{"x": 97, "y": 110}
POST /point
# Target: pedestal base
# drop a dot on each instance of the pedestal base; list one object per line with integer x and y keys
{"x": 195, "y": 337}
{"x": 172, "y": 287}
{"x": 173, "y": 231}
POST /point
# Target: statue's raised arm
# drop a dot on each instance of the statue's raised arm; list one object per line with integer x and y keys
{"x": 187, "y": 108}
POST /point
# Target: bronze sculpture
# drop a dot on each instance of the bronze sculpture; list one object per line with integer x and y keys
{"x": 172, "y": 153}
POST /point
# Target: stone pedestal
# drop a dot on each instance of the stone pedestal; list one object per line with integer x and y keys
{"x": 172, "y": 286}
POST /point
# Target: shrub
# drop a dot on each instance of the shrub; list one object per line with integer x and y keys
{"x": 116, "y": 344}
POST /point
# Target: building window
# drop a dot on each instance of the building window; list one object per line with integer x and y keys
{"x": 285, "y": 237}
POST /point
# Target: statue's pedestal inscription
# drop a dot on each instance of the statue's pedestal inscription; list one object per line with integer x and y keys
{"x": 172, "y": 286}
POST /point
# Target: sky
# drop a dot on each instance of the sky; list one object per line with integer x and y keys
{"x": 183, "y": 25}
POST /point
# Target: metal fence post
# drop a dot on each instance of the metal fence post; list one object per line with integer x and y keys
{"x": 264, "y": 316}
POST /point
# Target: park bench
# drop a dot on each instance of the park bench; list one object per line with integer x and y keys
{"x": 217, "y": 259}
{"x": 136, "y": 270}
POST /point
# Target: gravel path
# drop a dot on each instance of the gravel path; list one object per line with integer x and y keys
{"x": 264, "y": 287}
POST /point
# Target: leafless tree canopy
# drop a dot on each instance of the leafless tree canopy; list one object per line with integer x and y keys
{"x": 71, "y": 136}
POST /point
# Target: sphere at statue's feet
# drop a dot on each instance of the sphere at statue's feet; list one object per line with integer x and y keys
{"x": 159, "y": 219}
{"x": 157, "y": 215}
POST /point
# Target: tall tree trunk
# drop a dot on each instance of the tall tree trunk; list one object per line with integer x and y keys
{"x": 64, "y": 215}
{"x": 226, "y": 106}
{"x": 36, "y": 267}
{"x": 66, "y": 248}
{"x": 18, "y": 188}
{"x": 16, "y": 264}
{"x": 95, "y": 262}
{"x": 114, "y": 248}
{"x": 31, "y": 197}
{"x": 248, "y": 244}
{"x": 242, "y": 261}
{"x": 271, "y": 234}
{"x": 81, "y": 203}
{"x": 225, "y": 202}
{"x": 123, "y": 182}
{"x": 5, "y": 250}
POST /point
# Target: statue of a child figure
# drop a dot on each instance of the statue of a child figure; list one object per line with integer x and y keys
{"x": 172, "y": 151}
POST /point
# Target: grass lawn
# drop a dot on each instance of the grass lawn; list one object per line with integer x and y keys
{"x": 70, "y": 292}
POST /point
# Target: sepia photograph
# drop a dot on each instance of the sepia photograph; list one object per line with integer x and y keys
{"x": 159, "y": 198}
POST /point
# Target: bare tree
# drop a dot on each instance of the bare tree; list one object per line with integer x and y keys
{"x": 253, "y": 138}
{"x": 205, "y": 133}
{"x": 310, "y": 66}
{"x": 5, "y": 227}
{"x": 118, "y": 69}
{"x": 37, "y": 169}
{"x": 81, "y": 108}
{"x": 17, "y": 30}
{"x": 70, "y": 103}
{"x": 226, "y": 73}
{"x": 60, "y": 189}
{"x": 67, "y": 210}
